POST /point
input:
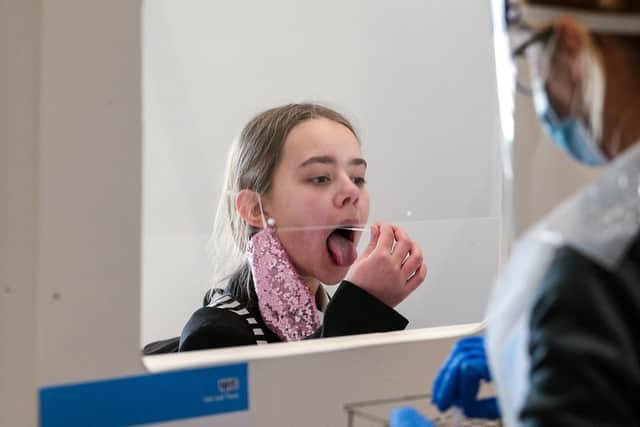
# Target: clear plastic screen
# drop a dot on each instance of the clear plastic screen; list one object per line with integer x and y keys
{"x": 416, "y": 79}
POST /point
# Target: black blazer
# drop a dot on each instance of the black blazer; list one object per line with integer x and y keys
{"x": 351, "y": 311}
{"x": 584, "y": 343}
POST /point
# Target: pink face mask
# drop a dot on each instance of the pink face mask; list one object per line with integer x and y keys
{"x": 286, "y": 304}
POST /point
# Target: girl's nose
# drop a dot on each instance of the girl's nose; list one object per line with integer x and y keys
{"x": 348, "y": 193}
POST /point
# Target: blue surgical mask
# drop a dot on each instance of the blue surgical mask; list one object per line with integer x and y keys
{"x": 571, "y": 134}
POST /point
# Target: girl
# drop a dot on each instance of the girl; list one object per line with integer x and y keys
{"x": 294, "y": 192}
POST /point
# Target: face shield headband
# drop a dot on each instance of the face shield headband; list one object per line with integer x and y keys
{"x": 596, "y": 22}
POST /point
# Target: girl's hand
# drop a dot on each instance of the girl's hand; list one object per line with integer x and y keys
{"x": 391, "y": 267}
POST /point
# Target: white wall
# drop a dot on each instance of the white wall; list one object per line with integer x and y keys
{"x": 417, "y": 79}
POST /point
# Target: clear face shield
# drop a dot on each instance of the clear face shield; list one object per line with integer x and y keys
{"x": 600, "y": 221}
{"x": 531, "y": 69}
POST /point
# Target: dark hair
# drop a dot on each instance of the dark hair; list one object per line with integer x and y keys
{"x": 607, "y": 6}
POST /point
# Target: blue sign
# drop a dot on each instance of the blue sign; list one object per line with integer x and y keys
{"x": 146, "y": 399}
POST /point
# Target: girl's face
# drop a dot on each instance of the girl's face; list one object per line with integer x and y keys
{"x": 320, "y": 181}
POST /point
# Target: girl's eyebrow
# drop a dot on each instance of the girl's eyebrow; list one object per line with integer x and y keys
{"x": 331, "y": 160}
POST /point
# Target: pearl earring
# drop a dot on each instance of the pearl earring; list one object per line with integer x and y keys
{"x": 271, "y": 222}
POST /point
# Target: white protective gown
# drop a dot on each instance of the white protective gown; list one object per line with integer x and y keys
{"x": 599, "y": 222}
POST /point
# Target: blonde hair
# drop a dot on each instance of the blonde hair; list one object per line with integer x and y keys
{"x": 251, "y": 163}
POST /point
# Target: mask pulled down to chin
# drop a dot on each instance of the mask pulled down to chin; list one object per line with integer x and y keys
{"x": 286, "y": 304}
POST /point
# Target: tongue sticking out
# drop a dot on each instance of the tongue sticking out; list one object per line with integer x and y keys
{"x": 341, "y": 249}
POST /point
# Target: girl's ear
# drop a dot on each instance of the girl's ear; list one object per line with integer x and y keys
{"x": 248, "y": 207}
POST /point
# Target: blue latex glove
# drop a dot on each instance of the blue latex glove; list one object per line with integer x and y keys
{"x": 459, "y": 379}
{"x": 408, "y": 417}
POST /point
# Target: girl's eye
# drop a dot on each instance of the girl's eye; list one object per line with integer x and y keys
{"x": 319, "y": 180}
{"x": 359, "y": 181}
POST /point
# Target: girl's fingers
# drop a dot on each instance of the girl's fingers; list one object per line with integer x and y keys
{"x": 373, "y": 241}
{"x": 416, "y": 280}
{"x": 413, "y": 262}
{"x": 385, "y": 239}
{"x": 403, "y": 245}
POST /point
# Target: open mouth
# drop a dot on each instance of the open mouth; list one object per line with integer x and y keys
{"x": 341, "y": 246}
